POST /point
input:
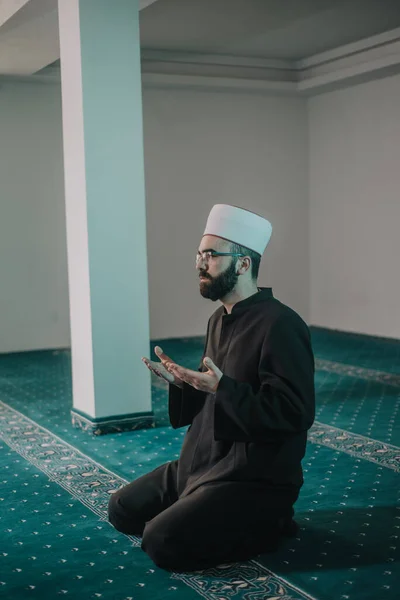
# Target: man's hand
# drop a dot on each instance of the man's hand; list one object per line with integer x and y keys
{"x": 160, "y": 369}
{"x": 206, "y": 382}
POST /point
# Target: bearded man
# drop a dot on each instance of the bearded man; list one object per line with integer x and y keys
{"x": 230, "y": 495}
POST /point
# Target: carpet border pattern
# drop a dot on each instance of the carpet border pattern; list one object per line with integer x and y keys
{"x": 360, "y": 372}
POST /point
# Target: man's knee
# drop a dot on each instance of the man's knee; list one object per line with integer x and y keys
{"x": 164, "y": 546}
{"x": 115, "y": 515}
{"x": 120, "y": 519}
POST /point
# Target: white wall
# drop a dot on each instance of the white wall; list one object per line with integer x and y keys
{"x": 355, "y": 208}
{"x": 201, "y": 148}
{"x": 208, "y": 147}
{"x": 33, "y": 265}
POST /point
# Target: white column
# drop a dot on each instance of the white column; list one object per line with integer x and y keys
{"x": 105, "y": 212}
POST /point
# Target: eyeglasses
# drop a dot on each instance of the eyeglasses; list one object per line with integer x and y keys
{"x": 207, "y": 254}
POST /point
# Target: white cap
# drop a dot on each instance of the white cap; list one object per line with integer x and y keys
{"x": 239, "y": 226}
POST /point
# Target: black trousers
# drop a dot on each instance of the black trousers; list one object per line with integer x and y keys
{"x": 217, "y": 523}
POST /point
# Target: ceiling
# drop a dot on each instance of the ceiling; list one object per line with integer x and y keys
{"x": 288, "y": 30}
{"x": 283, "y": 29}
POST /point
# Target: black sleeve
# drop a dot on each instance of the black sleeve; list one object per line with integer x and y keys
{"x": 184, "y": 404}
{"x": 285, "y": 401}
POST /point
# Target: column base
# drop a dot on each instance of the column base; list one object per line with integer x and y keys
{"x": 116, "y": 424}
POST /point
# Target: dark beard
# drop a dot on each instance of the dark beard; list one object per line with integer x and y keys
{"x": 218, "y": 287}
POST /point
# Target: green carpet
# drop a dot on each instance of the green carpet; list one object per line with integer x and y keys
{"x": 381, "y": 354}
{"x": 55, "y": 545}
{"x": 56, "y": 482}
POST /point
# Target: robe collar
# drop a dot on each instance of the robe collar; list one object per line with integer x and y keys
{"x": 262, "y": 295}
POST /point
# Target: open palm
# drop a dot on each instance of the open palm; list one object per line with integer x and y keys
{"x": 159, "y": 368}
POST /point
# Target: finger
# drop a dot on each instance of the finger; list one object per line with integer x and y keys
{"x": 175, "y": 371}
{"x": 173, "y": 365}
{"x": 209, "y": 364}
{"x": 183, "y": 375}
{"x": 146, "y": 362}
{"x": 150, "y": 367}
{"x": 161, "y": 355}
{"x": 172, "y": 368}
{"x": 160, "y": 375}
{"x": 186, "y": 375}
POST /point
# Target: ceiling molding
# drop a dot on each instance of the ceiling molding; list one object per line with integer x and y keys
{"x": 378, "y": 56}
{"x": 218, "y": 66}
{"x": 375, "y": 41}
{"x": 368, "y": 59}
{"x": 372, "y": 58}
{"x": 148, "y": 55}
{"x": 351, "y": 75}
{"x": 201, "y": 82}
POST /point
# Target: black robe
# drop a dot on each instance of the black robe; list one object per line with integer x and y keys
{"x": 253, "y": 429}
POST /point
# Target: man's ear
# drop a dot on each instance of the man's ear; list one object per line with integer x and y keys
{"x": 245, "y": 261}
